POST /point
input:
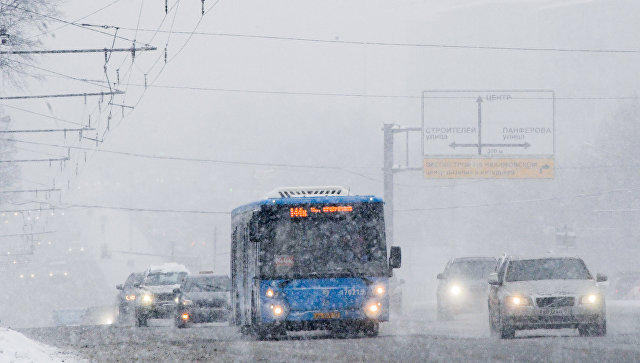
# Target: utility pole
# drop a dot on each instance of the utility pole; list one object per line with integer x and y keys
{"x": 389, "y": 170}
{"x": 215, "y": 245}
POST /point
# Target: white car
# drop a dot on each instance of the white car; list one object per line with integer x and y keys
{"x": 546, "y": 293}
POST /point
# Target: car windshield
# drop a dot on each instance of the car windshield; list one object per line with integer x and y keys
{"x": 547, "y": 269}
{"x": 471, "y": 269}
{"x": 207, "y": 284}
{"x": 133, "y": 279}
{"x": 164, "y": 278}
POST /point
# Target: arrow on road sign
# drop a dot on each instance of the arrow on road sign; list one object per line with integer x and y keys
{"x": 454, "y": 145}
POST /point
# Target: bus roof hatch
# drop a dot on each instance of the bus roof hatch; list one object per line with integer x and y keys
{"x": 302, "y": 192}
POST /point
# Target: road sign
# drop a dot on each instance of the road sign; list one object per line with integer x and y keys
{"x": 515, "y": 126}
{"x": 488, "y": 168}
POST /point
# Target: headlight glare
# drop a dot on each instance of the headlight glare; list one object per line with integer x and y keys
{"x": 455, "y": 290}
{"x": 379, "y": 290}
{"x": 517, "y": 300}
{"x": 373, "y": 309}
{"x": 277, "y": 310}
{"x": 270, "y": 293}
{"x": 590, "y": 299}
{"x": 147, "y": 298}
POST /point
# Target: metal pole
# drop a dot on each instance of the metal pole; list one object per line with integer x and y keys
{"x": 388, "y": 181}
{"x": 215, "y": 243}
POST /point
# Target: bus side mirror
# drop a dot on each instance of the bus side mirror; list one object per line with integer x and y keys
{"x": 254, "y": 230}
{"x": 395, "y": 257}
{"x": 119, "y": 286}
{"x": 440, "y": 276}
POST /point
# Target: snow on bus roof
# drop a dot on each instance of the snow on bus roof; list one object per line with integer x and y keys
{"x": 168, "y": 267}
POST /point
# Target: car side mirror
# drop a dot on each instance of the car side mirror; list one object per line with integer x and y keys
{"x": 119, "y": 287}
{"x": 176, "y": 290}
{"x": 395, "y": 257}
{"x": 493, "y": 279}
{"x": 601, "y": 278}
{"x": 440, "y": 276}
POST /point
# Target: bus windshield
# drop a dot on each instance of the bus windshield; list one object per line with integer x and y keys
{"x": 325, "y": 245}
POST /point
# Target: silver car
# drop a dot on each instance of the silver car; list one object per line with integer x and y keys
{"x": 546, "y": 293}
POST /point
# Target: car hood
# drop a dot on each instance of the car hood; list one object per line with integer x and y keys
{"x": 551, "y": 287}
{"x": 160, "y": 289}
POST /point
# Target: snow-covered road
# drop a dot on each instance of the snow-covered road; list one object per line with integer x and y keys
{"x": 416, "y": 336}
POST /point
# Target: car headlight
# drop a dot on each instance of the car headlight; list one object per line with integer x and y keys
{"x": 591, "y": 299}
{"x": 147, "y": 298}
{"x": 455, "y": 290}
{"x": 518, "y": 300}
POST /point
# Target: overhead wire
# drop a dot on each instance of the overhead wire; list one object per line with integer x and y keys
{"x": 399, "y": 44}
{"x": 62, "y": 21}
{"x": 74, "y": 21}
{"x": 526, "y": 201}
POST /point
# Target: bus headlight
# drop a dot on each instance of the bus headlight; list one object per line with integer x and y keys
{"x": 373, "y": 309}
{"x": 379, "y": 290}
{"x": 270, "y": 293}
{"x": 278, "y": 311}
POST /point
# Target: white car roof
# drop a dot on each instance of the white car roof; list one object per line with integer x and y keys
{"x": 168, "y": 267}
{"x": 543, "y": 257}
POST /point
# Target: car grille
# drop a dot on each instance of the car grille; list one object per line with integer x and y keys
{"x": 554, "y": 302}
{"x": 165, "y": 297}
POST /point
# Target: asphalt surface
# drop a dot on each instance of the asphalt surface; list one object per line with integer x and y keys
{"x": 416, "y": 336}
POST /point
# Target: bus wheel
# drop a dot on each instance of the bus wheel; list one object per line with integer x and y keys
{"x": 267, "y": 332}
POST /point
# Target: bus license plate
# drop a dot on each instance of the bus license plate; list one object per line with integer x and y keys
{"x": 556, "y": 311}
{"x": 329, "y": 315}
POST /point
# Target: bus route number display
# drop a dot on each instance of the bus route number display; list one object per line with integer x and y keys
{"x": 303, "y": 212}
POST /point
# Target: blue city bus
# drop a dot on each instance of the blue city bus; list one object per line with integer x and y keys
{"x": 309, "y": 259}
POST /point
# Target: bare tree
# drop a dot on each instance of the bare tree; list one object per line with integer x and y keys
{"x": 22, "y": 24}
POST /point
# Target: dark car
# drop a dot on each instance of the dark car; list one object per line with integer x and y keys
{"x": 128, "y": 294}
{"x": 158, "y": 299}
{"x": 463, "y": 285}
{"x": 203, "y": 298}
{"x": 626, "y": 287}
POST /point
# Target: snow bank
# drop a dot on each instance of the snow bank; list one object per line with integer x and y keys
{"x": 15, "y": 347}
